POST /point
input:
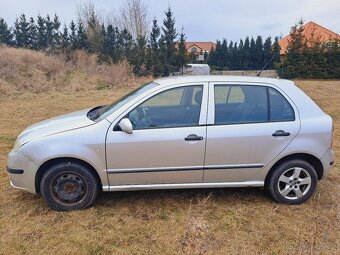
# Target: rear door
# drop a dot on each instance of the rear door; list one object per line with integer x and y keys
{"x": 249, "y": 125}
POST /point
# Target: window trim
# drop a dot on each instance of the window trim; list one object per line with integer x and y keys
{"x": 211, "y": 112}
{"x": 202, "y": 120}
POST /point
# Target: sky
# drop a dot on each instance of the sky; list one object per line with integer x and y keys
{"x": 202, "y": 20}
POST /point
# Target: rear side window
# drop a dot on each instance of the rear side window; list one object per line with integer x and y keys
{"x": 250, "y": 104}
{"x": 280, "y": 108}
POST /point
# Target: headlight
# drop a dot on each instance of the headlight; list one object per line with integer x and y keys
{"x": 17, "y": 145}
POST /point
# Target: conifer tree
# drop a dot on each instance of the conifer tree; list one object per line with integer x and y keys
{"x": 5, "y": 33}
{"x": 258, "y": 53}
{"x": 81, "y": 42}
{"x": 276, "y": 52}
{"x": 49, "y": 31}
{"x": 21, "y": 32}
{"x": 55, "y": 31}
{"x": 246, "y": 53}
{"x": 267, "y": 51}
{"x": 41, "y": 33}
{"x": 294, "y": 63}
{"x": 182, "y": 58}
{"x": 168, "y": 43}
{"x": 153, "y": 51}
{"x": 73, "y": 35}
{"x": 252, "y": 52}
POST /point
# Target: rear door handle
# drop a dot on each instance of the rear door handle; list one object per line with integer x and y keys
{"x": 193, "y": 137}
{"x": 281, "y": 133}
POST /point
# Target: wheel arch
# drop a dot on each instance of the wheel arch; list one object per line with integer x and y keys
{"x": 314, "y": 161}
{"x": 41, "y": 170}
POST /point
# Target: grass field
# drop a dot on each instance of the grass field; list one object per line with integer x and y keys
{"x": 208, "y": 221}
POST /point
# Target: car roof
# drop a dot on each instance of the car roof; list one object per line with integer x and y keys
{"x": 218, "y": 78}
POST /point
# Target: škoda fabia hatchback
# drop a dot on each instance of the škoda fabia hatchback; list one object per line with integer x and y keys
{"x": 182, "y": 132}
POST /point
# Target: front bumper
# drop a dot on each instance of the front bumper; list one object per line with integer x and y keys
{"x": 21, "y": 171}
{"x": 327, "y": 161}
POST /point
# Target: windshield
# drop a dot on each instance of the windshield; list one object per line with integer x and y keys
{"x": 105, "y": 111}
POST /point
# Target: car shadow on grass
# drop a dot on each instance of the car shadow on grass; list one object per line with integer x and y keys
{"x": 186, "y": 196}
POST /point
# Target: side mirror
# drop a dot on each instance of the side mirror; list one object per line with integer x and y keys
{"x": 126, "y": 125}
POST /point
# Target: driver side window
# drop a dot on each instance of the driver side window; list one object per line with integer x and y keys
{"x": 178, "y": 107}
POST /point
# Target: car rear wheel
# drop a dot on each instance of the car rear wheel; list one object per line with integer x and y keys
{"x": 293, "y": 182}
{"x": 69, "y": 186}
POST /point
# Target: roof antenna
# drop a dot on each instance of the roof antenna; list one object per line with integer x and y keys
{"x": 264, "y": 67}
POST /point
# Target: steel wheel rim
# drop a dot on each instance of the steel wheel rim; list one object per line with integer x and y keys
{"x": 68, "y": 188}
{"x": 294, "y": 183}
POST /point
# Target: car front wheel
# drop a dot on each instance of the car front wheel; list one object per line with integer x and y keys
{"x": 293, "y": 182}
{"x": 69, "y": 186}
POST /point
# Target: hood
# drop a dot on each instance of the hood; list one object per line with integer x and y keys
{"x": 55, "y": 125}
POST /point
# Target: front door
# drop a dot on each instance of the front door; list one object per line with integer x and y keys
{"x": 168, "y": 140}
{"x": 250, "y": 126}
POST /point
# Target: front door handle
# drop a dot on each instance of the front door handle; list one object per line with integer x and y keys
{"x": 193, "y": 137}
{"x": 281, "y": 133}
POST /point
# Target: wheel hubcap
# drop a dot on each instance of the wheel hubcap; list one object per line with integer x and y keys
{"x": 294, "y": 183}
{"x": 68, "y": 188}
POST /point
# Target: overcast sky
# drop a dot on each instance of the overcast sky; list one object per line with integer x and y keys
{"x": 203, "y": 20}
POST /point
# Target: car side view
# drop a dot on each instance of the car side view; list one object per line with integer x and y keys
{"x": 180, "y": 132}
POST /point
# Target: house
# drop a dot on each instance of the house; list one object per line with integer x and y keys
{"x": 310, "y": 30}
{"x": 199, "y": 49}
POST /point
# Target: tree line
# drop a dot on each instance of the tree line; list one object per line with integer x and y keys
{"x": 161, "y": 50}
{"x": 160, "y": 53}
{"x": 249, "y": 54}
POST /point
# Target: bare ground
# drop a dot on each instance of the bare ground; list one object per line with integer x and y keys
{"x": 206, "y": 221}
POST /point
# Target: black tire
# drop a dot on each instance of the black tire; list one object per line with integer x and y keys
{"x": 69, "y": 186}
{"x": 284, "y": 179}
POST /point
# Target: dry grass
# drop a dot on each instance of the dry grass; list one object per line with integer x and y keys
{"x": 24, "y": 70}
{"x": 208, "y": 221}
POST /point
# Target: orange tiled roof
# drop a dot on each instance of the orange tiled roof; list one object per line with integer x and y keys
{"x": 204, "y": 46}
{"x": 324, "y": 34}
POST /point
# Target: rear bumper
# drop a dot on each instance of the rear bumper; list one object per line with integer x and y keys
{"x": 327, "y": 161}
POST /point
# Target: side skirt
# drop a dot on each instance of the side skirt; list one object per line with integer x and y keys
{"x": 183, "y": 186}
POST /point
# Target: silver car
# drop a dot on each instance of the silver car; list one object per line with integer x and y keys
{"x": 182, "y": 132}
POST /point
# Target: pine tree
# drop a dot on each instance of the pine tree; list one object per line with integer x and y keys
{"x": 252, "y": 51}
{"x": 294, "y": 63}
{"x": 41, "y": 33}
{"x": 65, "y": 40}
{"x": 49, "y": 32}
{"x": 168, "y": 43}
{"x": 153, "y": 52}
{"x": 241, "y": 54}
{"x": 276, "y": 52}
{"x": 138, "y": 59}
{"x": 5, "y": 33}
{"x": 231, "y": 56}
{"x": 258, "y": 53}
{"x": 267, "y": 52}
{"x": 81, "y": 42}
{"x": 246, "y": 53}
{"x": 223, "y": 57}
{"x": 211, "y": 57}
{"x": 236, "y": 57}
{"x": 55, "y": 31}
{"x": 21, "y": 32}
{"x": 32, "y": 30}
{"x": 182, "y": 58}
{"x": 73, "y": 35}
{"x": 94, "y": 33}
{"x": 126, "y": 44}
